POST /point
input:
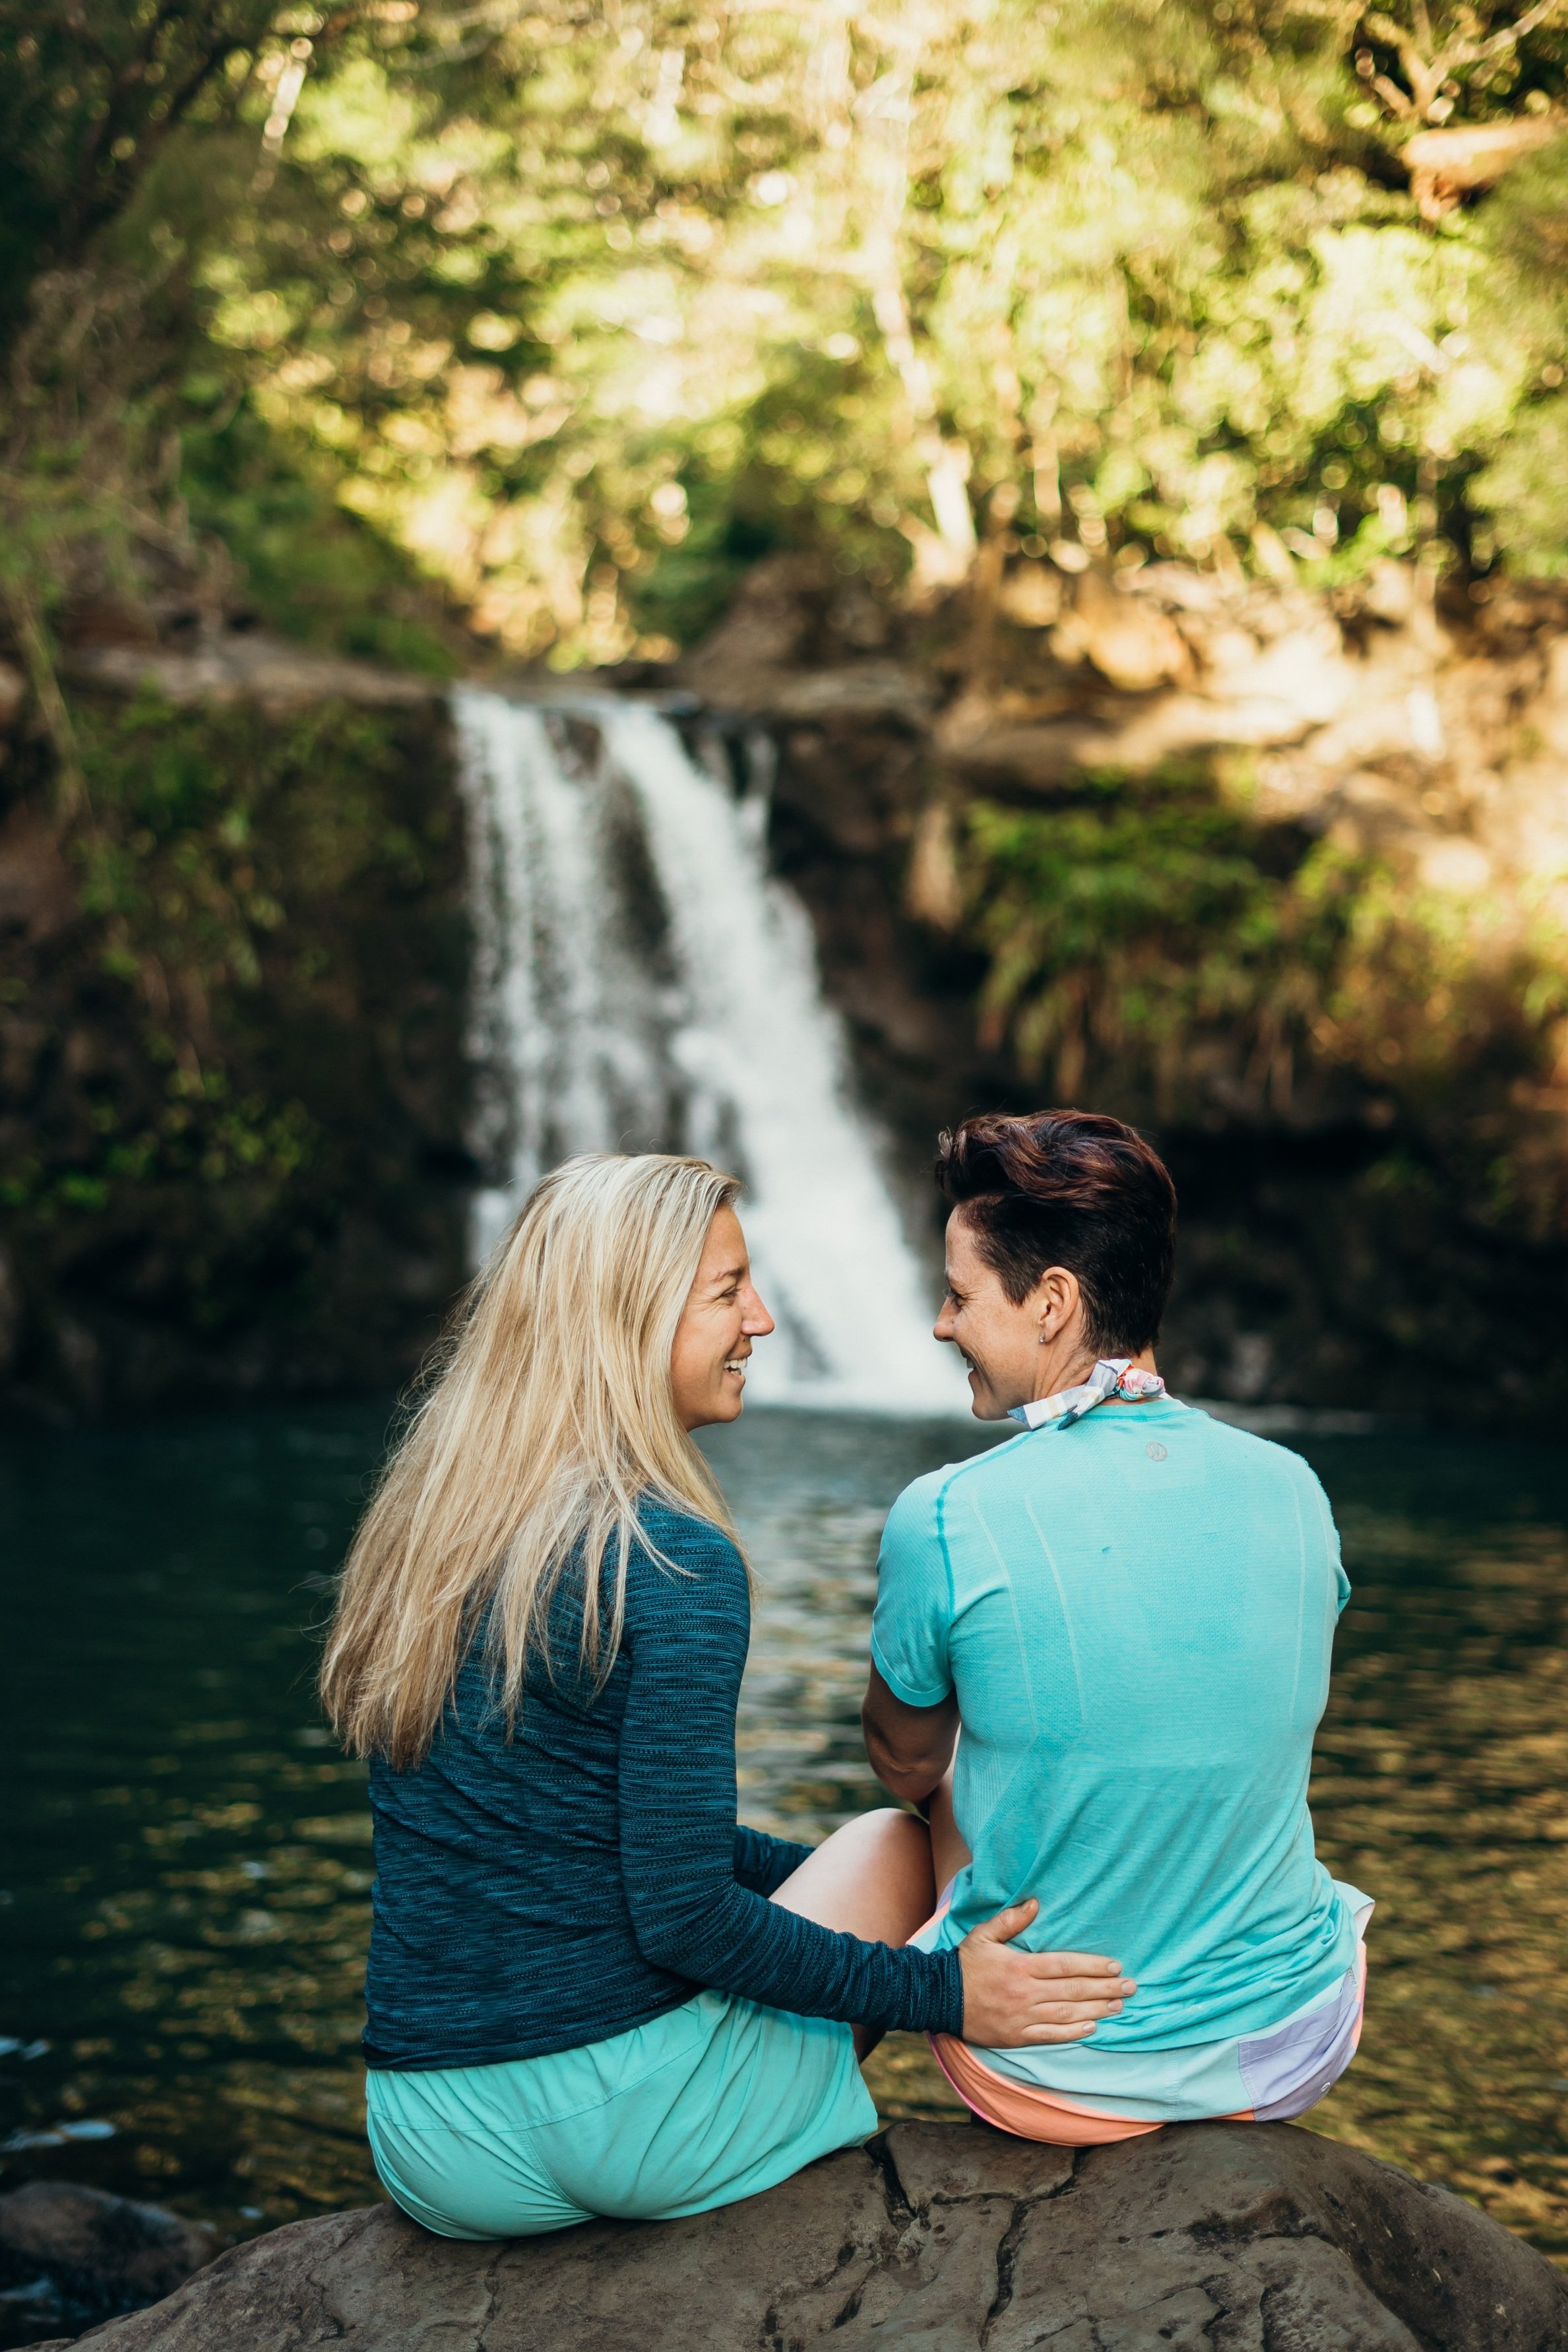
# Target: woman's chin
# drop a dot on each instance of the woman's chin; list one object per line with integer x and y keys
{"x": 985, "y": 1404}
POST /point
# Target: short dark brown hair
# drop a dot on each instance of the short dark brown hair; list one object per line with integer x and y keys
{"x": 1070, "y": 1187}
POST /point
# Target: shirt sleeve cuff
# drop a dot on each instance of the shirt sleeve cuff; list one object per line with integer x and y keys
{"x": 902, "y": 1689}
{"x": 945, "y": 2013}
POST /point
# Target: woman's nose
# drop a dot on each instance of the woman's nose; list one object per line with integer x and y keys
{"x": 755, "y": 1319}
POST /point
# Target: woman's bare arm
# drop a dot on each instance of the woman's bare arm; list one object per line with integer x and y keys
{"x": 910, "y": 1748}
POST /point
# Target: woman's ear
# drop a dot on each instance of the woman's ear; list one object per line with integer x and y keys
{"x": 1058, "y": 1299}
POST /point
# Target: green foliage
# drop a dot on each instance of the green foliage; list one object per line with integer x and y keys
{"x": 1526, "y": 483}
{"x": 1153, "y": 272}
{"x": 1131, "y": 928}
{"x": 88, "y": 97}
{"x": 307, "y": 567}
{"x": 686, "y": 587}
{"x": 507, "y": 286}
{"x": 252, "y": 892}
{"x": 1152, "y": 946}
{"x": 135, "y": 458}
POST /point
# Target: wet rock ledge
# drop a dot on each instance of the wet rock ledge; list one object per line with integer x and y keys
{"x": 936, "y": 2238}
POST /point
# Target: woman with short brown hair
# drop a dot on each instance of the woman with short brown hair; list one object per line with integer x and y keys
{"x": 1123, "y": 1619}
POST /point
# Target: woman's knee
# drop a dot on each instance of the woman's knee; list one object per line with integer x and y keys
{"x": 871, "y": 1878}
{"x": 894, "y": 1844}
{"x": 901, "y": 1839}
{"x": 887, "y": 1826}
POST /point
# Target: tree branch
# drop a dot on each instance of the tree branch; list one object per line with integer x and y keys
{"x": 1511, "y": 35}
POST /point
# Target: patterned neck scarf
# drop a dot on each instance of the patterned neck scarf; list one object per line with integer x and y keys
{"x": 1113, "y": 1377}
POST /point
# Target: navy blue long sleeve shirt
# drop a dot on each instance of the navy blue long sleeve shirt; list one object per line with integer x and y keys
{"x": 541, "y": 1890}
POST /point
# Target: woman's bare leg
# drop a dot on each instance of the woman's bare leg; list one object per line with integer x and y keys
{"x": 872, "y": 1879}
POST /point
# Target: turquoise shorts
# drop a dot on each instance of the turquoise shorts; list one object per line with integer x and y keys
{"x": 712, "y": 2102}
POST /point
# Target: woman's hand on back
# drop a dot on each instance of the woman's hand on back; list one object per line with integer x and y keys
{"x": 1013, "y": 1998}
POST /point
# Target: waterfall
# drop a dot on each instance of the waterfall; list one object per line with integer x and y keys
{"x": 642, "y": 983}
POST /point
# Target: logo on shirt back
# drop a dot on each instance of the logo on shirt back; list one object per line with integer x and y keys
{"x": 1155, "y": 1450}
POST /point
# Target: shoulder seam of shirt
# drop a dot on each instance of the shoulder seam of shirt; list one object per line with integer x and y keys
{"x": 957, "y": 1470}
{"x": 942, "y": 1545}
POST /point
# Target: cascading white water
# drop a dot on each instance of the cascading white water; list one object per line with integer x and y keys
{"x": 642, "y": 983}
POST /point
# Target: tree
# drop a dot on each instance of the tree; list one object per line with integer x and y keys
{"x": 580, "y": 313}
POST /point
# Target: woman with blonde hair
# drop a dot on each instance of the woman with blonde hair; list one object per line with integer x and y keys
{"x": 590, "y": 1991}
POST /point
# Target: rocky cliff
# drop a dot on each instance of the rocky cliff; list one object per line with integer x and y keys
{"x": 232, "y": 958}
{"x": 1283, "y": 876}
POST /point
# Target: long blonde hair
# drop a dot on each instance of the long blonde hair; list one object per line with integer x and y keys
{"x": 550, "y": 1420}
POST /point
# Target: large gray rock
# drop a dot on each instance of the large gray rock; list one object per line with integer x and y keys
{"x": 938, "y": 2238}
{"x": 75, "y": 2254}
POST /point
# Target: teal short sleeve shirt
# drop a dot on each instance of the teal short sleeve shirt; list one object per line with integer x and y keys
{"x": 1136, "y": 1615}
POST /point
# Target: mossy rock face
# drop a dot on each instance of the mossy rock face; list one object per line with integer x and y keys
{"x": 232, "y": 1081}
{"x": 947, "y": 2237}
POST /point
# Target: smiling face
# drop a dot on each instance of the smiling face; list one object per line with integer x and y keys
{"x": 722, "y": 1315}
{"x": 1016, "y": 1351}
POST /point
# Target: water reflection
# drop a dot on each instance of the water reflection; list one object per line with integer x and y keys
{"x": 185, "y": 1860}
{"x": 185, "y": 1865}
{"x": 1443, "y": 1779}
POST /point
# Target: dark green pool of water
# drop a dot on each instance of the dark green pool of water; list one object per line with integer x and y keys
{"x": 185, "y": 1860}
